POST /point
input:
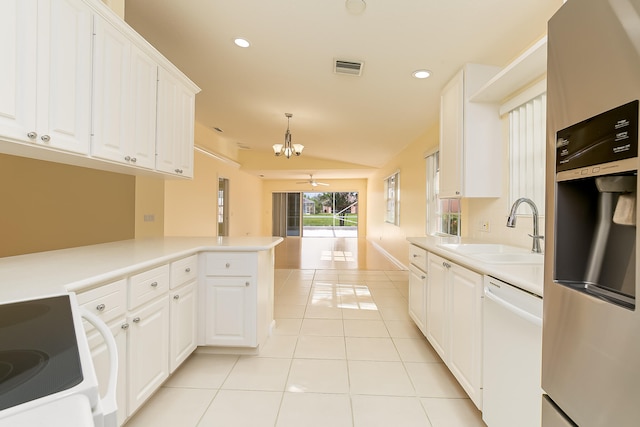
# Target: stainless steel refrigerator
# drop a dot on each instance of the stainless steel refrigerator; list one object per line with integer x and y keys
{"x": 591, "y": 321}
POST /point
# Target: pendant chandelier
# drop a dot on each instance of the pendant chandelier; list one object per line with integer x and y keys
{"x": 287, "y": 149}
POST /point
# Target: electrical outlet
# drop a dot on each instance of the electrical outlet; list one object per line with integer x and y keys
{"x": 484, "y": 226}
{"x": 149, "y": 217}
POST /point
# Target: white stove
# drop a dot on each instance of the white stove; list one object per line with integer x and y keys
{"x": 46, "y": 371}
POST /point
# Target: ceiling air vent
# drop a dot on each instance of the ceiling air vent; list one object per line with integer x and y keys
{"x": 352, "y": 68}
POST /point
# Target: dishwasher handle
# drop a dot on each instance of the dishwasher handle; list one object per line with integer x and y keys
{"x": 512, "y": 308}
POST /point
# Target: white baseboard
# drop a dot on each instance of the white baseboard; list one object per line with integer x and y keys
{"x": 391, "y": 258}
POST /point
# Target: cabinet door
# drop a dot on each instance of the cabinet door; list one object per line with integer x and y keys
{"x": 418, "y": 297}
{"x": 124, "y": 99}
{"x": 452, "y": 137}
{"x": 148, "y": 350}
{"x": 437, "y": 304}
{"x": 176, "y": 109}
{"x": 142, "y": 104}
{"x": 111, "y": 86}
{"x": 465, "y": 359}
{"x": 100, "y": 357}
{"x": 18, "y": 71}
{"x": 64, "y": 75}
{"x": 183, "y": 324}
{"x": 230, "y": 311}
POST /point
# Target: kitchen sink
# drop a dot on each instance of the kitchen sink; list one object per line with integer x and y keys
{"x": 509, "y": 258}
{"x": 481, "y": 248}
{"x": 494, "y": 253}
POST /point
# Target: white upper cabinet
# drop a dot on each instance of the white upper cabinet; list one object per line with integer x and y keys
{"x": 45, "y": 80}
{"x": 470, "y": 138}
{"x": 176, "y": 110}
{"x": 78, "y": 80}
{"x": 124, "y": 99}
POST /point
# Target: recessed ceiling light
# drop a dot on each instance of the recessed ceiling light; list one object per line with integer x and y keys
{"x": 421, "y": 74}
{"x": 241, "y": 42}
{"x": 217, "y": 129}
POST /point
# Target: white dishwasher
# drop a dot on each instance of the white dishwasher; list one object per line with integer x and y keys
{"x": 512, "y": 355}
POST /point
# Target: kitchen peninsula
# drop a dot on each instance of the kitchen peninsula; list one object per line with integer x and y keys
{"x": 161, "y": 299}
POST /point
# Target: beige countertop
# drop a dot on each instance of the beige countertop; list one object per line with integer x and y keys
{"x": 56, "y": 272}
{"x": 529, "y": 277}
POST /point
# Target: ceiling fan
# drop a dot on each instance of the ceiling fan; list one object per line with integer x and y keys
{"x": 312, "y": 181}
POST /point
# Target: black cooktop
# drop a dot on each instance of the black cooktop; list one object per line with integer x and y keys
{"x": 38, "y": 350}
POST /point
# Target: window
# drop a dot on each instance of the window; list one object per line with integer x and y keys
{"x": 443, "y": 215}
{"x": 392, "y": 198}
{"x": 527, "y": 134}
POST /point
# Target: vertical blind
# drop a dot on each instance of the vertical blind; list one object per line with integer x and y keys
{"x": 527, "y": 130}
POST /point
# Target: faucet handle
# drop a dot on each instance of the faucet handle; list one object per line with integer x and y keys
{"x": 536, "y": 237}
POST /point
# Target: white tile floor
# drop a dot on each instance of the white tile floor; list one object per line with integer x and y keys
{"x": 344, "y": 353}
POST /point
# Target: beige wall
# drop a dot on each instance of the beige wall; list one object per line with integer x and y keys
{"x": 190, "y": 206}
{"x": 411, "y": 164}
{"x": 149, "y": 207}
{"x": 48, "y": 206}
{"x": 338, "y": 185}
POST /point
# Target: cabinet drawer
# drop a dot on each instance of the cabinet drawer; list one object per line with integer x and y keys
{"x": 230, "y": 264}
{"x": 107, "y": 301}
{"x": 148, "y": 285}
{"x": 418, "y": 257}
{"x": 183, "y": 271}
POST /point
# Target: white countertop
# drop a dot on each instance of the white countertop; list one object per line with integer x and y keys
{"x": 529, "y": 277}
{"x": 56, "y": 272}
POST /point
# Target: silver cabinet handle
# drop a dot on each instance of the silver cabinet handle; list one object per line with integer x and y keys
{"x": 100, "y": 307}
{"x": 125, "y": 326}
{"x": 133, "y": 160}
{"x": 32, "y": 135}
{"x": 45, "y": 138}
{"x": 136, "y": 320}
{"x": 446, "y": 265}
{"x": 423, "y": 277}
{"x": 415, "y": 255}
{"x": 176, "y": 297}
{"x": 247, "y": 283}
{"x": 127, "y": 158}
{"x": 187, "y": 270}
{"x": 178, "y": 170}
{"x": 154, "y": 285}
{"x": 227, "y": 265}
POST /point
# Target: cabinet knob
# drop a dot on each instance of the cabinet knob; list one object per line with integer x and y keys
{"x": 446, "y": 265}
{"x": 127, "y": 158}
{"x": 415, "y": 255}
{"x": 227, "y": 265}
{"x": 100, "y": 307}
{"x": 176, "y": 297}
{"x": 247, "y": 283}
{"x": 136, "y": 320}
{"x": 125, "y": 326}
{"x": 32, "y": 135}
{"x": 45, "y": 138}
{"x": 178, "y": 170}
{"x": 154, "y": 285}
{"x": 187, "y": 270}
{"x": 423, "y": 277}
{"x": 133, "y": 160}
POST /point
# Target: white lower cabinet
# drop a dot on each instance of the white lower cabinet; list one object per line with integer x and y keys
{"x": 230, "y": 313}
{"x": 418, "y": 287}
{"x": 148, "y": 360}
{"x": 183, "y": 318}
{"x": 454, "y": 321}
{"x": 236, "y": 304}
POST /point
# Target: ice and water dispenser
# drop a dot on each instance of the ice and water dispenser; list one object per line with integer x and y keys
{"x": 595, "y": 206}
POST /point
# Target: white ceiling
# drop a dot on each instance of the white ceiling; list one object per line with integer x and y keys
{"x": 289, "y": 66}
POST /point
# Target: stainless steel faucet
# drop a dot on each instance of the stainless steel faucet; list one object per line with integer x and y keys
{"x": 511, "y": 222}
